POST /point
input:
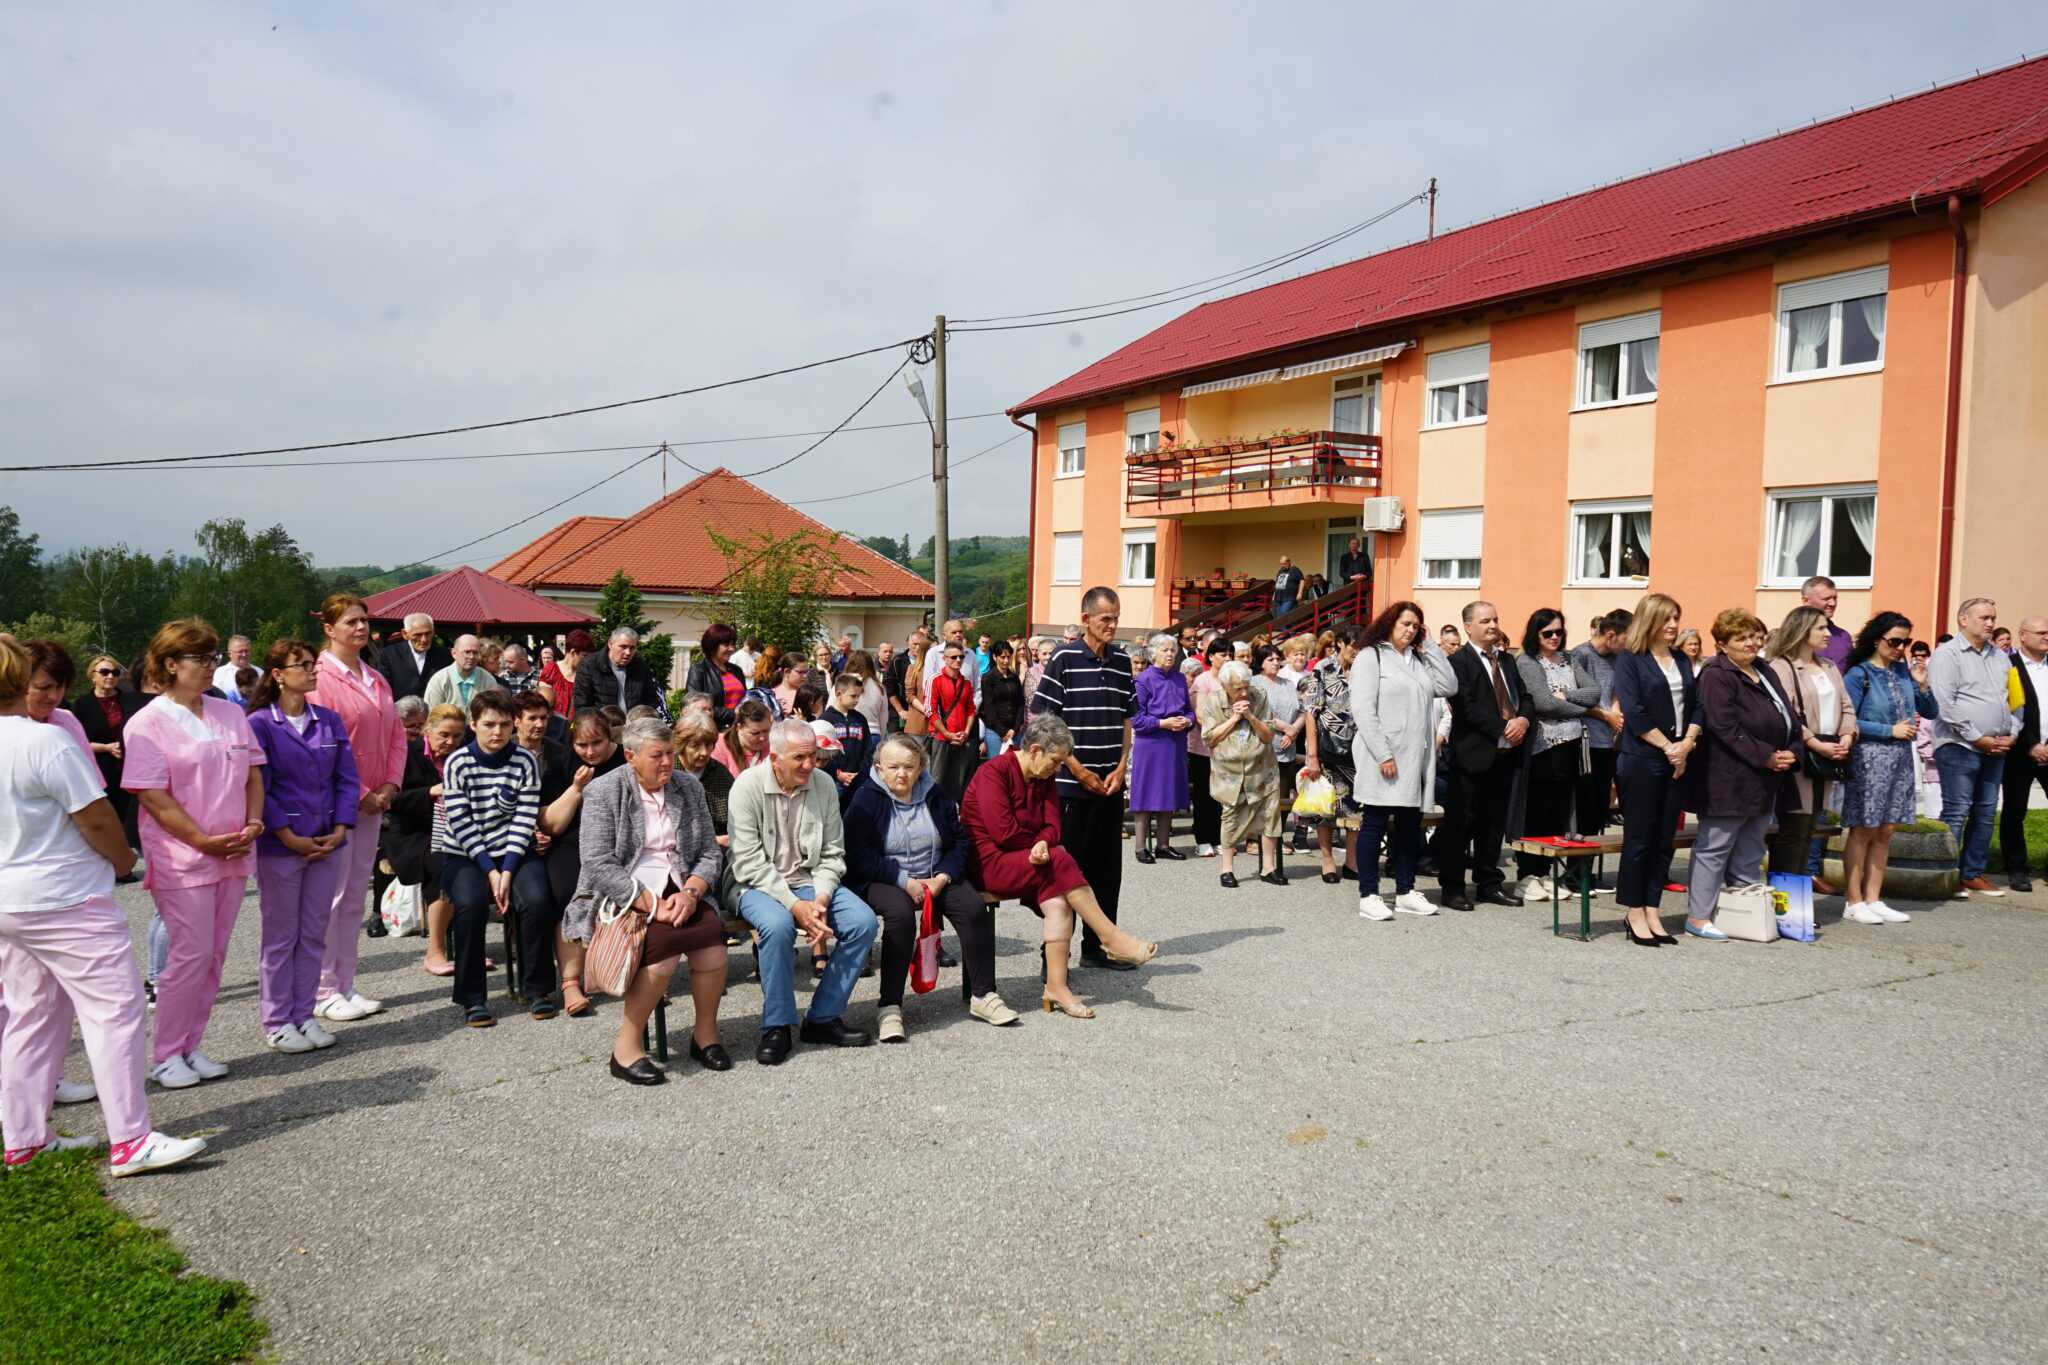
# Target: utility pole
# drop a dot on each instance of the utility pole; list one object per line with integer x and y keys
{"x": 664, "y": 469}
{"x": 941, "y": 549}
{"x": 1432, "y": 208}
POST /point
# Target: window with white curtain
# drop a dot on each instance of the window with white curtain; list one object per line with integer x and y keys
{"x": 1831, "y": 531}
{"x": 1355, "y": 405}
{"x": 1141, "y": 431}
{"x": 1066, "y": 557}
{"x": 1450, "y": 548}
{"x": 1073, "y": 449}
{"x": 1618, "y": 360}
{"x": 1457, "y": 387}
{"x": 1141, "y": 556}
{"x": 1611, "y": 543}
{"x": 1833, "y": 325}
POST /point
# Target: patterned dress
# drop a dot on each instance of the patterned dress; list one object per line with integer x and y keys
{"x": 1327, "y": 695}
{"x": 1243, "y": 775}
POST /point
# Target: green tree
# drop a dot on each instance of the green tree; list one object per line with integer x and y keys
{"x": 620, "y": 605}
{"x": 21, "y": 568}
{"x": 885, "y": 546}
{"x": 776, "y": 588}
{"x": 122, "y": 595}
{"x": 248, "y": 584}
{"x": 75, "y": 636}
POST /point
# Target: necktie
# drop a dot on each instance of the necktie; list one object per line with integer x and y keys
{"x": 1500, "y": 688}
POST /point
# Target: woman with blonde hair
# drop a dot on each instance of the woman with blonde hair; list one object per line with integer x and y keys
{"x": 1659, "y": 701}
{"x": 1821, "y": 699}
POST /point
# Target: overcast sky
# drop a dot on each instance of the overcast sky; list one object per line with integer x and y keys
{"x": 235, "y": 225}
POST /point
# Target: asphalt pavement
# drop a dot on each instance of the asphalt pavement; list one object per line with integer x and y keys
{"x": 1299, "y": 1135}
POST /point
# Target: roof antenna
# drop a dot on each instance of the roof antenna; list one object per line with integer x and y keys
{"x": 1432, "y": 208}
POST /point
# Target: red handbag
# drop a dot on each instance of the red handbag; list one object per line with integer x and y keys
{"x": 924, "y": 961}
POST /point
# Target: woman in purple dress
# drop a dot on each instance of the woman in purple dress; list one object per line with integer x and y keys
{"x": 1159, "y": 750}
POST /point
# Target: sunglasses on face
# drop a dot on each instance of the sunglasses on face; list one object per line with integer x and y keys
{"x": 1898, "y": 642}
{"x": 106, "y": 672}
{"x": 1551, "y": 634}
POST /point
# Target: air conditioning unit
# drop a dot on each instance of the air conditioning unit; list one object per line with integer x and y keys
{"x": 1381, "y": 514}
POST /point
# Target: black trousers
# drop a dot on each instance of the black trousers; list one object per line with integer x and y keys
{"x": 2021, "y": 773}
{"x": 960, "y": 905}
{"x": 1549, "y": 802}
{"x": 1474, "y": 824}
{"x": 1595, "y": 792}
{"x": 952, "y": 765}
{"x": 1649, "y": 822}
{"x": 533, "y": 906}
{"x": 1208, "y": 812}
{"x": 1092, "y": 832}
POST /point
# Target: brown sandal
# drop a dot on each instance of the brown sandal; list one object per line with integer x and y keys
{"x": 575, "y": 1003}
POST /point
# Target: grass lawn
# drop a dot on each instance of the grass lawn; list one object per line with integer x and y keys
{"x": 2037, "y": 843}
{"x": 81, "y": 1282}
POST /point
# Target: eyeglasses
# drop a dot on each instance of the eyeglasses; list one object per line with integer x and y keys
{"x": 1551, "y": 634}
{"x": 192, "y": 658}
{"x": 299, "y": 664}
{"x": 1896, "y": 641}
{"x": 106, "y": 672}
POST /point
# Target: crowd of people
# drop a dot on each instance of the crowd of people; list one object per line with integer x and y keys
{"x": 834, "y": 796}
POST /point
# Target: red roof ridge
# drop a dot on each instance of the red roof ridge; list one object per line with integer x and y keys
{"x": 521, "y": 560}
{"x": 624, "y": 523}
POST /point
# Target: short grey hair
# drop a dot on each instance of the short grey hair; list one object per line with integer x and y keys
{"x": 1163, "y": 640}
{"x": 512, "y": 649}
{"x": 1048, "y": 732}
{"x": 623, "y": 633}
{"x": 787, "y": 732}
{"x": 1190, "y": 665}
{"x": 1969, "y": 603}
{"x": 907, "y": 743}
{"x": 1096, "y": 599}
{"x": 1235, "y": 673}
{"x": 418, "y": 618}
{"x": 462, "y": 640}
{"x": 645, "y": 729}
{"x": 411, "y": 706}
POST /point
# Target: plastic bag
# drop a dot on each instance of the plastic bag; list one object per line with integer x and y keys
{"x": 400, "y": 910}
{"x": 924, "y": 960}
{"x": 1794, "y": 894}
{"x": 1316, "y": 798}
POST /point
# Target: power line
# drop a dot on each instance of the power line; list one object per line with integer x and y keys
{"x": 488, "y": 535}
{"x": 915, "y": 478}
{"x": 901, "y": 366}
{"x": 506, "y": 422}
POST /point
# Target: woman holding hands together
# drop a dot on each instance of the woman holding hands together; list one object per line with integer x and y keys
{"x": 1653, "y": 685}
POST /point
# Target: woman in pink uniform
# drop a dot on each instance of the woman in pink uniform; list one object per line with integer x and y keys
{"x": 192, "y": 764}
{"x": 359, "y": 694}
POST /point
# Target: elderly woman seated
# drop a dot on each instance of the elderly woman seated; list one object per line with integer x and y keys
{"x": 1244, "y": 775}
{"x": 1012, "y": 813}
{"x": 647, "y": 847}
{"x": 903, "y": 843}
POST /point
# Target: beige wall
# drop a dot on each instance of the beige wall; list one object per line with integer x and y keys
{"x": 1819, "y": 431}
{"x": 1451, "y": 467}
{"x": 1612, "y": 453}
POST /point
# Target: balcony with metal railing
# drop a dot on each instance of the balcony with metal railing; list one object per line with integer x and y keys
{"x": 1291, "y": 468}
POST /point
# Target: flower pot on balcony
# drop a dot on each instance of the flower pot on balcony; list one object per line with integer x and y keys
{"x": 1922, "y": 867}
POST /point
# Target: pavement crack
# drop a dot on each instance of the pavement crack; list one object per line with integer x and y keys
{"x": 1277, "y": 1229}
{"x": 1731, "y": 1178}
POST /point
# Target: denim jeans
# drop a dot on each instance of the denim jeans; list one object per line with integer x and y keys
{"x": 853, "y": 929}
{"x": 1970, "y": 780}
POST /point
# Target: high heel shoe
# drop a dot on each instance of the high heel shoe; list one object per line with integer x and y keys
{"x": 1639, "y": 940}
{"x": 1053, "y": 1006}
{"x": 1149, "y": 951}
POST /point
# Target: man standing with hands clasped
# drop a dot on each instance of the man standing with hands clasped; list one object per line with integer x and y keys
{"x": 1487, "y": 730}
{"x": 2027, "y": 762}
{"x": 1088, "y": 684}
{"x": 1973, "y": 732}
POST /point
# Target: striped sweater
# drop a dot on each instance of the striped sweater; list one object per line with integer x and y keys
{"x": 492, "y": 804}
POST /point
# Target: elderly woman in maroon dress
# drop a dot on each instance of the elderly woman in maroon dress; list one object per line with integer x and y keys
{"x": 1159, "y": 750}
{"x": 1012, "y": 814}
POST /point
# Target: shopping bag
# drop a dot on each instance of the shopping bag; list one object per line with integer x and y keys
{"x": 1794, "y": 893}
{"x": 1316, "y": 798}
{"x": 399, "y": 908}
{"x": 613, "y": 957}
{"x": 924, "y": 960}
{"x": 1747, "y": 912}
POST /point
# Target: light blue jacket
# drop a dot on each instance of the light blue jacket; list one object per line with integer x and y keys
{"x": 1873, "y": 704}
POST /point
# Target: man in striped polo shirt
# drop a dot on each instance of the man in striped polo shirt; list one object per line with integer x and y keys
{"x": 1088, "y": 684}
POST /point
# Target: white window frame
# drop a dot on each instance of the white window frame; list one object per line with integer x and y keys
{"x": 1063, "y": 540}
{"x": 1438, "y": 517}
{"x": 1077, "y": 466}
{"x": 1627, "y": 332}
{"x": 1147, "y": 536}
{"x": 1368, "y": 389}
{"x": 1835, "y": 291}
{"x": 1454, "y": 369}
{"x": 1614, "y": 509}
{"x": 1141, "y": 431}
{"x": 1828, "y": 495}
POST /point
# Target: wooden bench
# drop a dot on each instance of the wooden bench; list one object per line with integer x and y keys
{"x": 1583, "y": 861}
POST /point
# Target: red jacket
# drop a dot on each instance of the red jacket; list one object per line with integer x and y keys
{"x": 1005, "y": 812}
{"x": 950, "y": 703}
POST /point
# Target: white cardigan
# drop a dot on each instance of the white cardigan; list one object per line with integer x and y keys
{"x": 1395, "y": 700}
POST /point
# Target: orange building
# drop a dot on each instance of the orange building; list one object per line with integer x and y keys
{"x": 1826, "y": 352}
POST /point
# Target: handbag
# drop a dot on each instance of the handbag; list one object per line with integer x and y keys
{"x": 1817, "y": 766}
{"x": 613, "y": 957}
{"x": 399, "y": 908}
{"x": 924, "y": 959}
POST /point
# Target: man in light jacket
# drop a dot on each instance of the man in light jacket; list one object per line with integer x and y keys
{"x": 459, "y": 683}
{"x": 1972, "y": 735}
{"x": 786, "y": 859}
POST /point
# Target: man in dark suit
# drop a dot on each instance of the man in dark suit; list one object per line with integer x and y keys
{"x": 407, "y": 664}
{"x": 2027, "y": 762}
{"x": 1488, "y": 725}
{"x": 618, "y": 676}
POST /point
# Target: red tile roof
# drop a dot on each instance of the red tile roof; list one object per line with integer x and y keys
{"x": 470, "y": 597}
{"x": 1978, "y": 136}
{"x": 666, "y": 547}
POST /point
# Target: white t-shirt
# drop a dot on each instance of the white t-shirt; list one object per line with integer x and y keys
{"x": 45, "y": 863}
{"x": 1675, "y": 680}
{"x": 224, "y": 679}
{"x": 1825, "y": 712}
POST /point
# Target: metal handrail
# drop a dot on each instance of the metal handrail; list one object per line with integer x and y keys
{"x": 1246, "y": 470}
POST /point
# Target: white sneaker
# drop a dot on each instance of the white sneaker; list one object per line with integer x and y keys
{"x": 314, "y": 1034}
{"x": 204, "y": 1066}
{"x": 1413, "y": 903}
{"x": 1536, "y": 889}
{"x": 340, "y": 1008}
{"x": 1886, "y": 913}
{"x": 76, "y": 1092}
{"x": 1205, "y": 850}
{"x": 1860, "y": 913}
{"x": 365, "y": 1003}
{"x": 889, "y": 1025}
{"x": 159, "y": 1151}
{"x": 1372, "y": 907}
{"x": 285, "y": 1038}
{"x": 990, "y": 1009}
{"x": 172, "y": 1074}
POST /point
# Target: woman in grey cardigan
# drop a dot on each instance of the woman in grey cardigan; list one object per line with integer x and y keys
{"x": 1398, "y": 682}
{"x": 1562, "y": 697}
{"x": 648, "y": 845}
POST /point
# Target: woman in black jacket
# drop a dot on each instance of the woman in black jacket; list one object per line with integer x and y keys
{"x": 904, "y": 842}
{"x": 1002, "y": 699}
{"x": 713, "y": 674}
{"x": 1653, "y": 686}
{"x": 103, "y": 713}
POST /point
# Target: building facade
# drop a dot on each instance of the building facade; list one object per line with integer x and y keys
{"x": 1822, "y": 353}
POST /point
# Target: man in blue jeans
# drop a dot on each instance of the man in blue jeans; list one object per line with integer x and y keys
{"x": 1973, "y": 731}
{"x": 784, "y": 865}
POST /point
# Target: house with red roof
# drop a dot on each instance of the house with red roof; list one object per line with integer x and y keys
{"x": 667, "y": 550}
{"x": 1821, "y": 353}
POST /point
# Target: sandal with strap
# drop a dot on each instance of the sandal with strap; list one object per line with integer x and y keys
{"x": 575, "y": 1003}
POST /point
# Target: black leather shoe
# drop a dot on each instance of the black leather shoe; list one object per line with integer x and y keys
{"x": 711, "y": 1058}
{"x": 374, "y": 927}
{"x": 1347, "y": 874}
{"x": 1170, "y": 853}
{"x": 1454, "y": 900}
{"x": 774, "y": 1048}
{"x": 1274, "y": 878}
{"x": 946, "y": 958}
{"x": 1426, "y": 868}
{"x": 834, "y": 1033}
{"x": 1332, "y": 878}
{"x": 2020, "y": 882}
{"x": 1496, "y": 896}
{"x": 1101, "y": 961}
{"x": 642, "y": 1072}
{"x": 1144, "y": 855}
{"x": 1229, "y": 880}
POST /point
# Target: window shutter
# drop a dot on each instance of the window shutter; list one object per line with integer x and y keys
{"x": 1856, "y": 284}
{"x": 1453, "y": 367}
{"x": 1142, "y": 422}
{"x": 1066, "y": 557}
{"x": 1452, "y": 535}
{"x": 1609, "y": 331}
